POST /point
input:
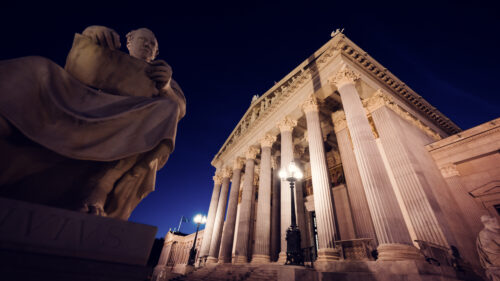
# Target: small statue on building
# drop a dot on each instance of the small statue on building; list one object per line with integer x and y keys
{"x": 488, "y": 247}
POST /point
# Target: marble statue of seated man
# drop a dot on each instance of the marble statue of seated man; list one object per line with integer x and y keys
{"x": 70, "y": 144}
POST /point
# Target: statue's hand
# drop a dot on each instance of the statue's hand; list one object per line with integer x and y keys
{"x": 160, "y": 72}
{"x": 103, "y": 36}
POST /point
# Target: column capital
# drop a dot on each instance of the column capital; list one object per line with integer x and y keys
{"x": 267, "y": 140}
{"x": 377, "y": 100}
{"x": 227, "y": 172}
{"x": 287, "y": 124}
{"x": 310, "y": 104}
{"x": 449, "y": 170}
{"x": 238, "y": 163}
{"x": 344, "y": 76}
{"x": 217, "y": 178}
{"x": 339, "y": 121}
{"x": 252, "y": 152}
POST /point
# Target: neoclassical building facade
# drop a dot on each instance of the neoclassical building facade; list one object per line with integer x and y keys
{"x": 375, "y": 185}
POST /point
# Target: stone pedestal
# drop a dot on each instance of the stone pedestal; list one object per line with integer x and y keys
{"x": 44, "y": 243}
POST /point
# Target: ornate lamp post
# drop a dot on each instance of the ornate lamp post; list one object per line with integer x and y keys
{"x": 294, "y": 254}
{"x": 198, "y": 219}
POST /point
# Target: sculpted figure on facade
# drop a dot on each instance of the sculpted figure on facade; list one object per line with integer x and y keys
{"x": 488, "y": 247}
{"x": 92, "y": 136}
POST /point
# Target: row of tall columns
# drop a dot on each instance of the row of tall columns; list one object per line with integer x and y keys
{"x": 376, "y": 210}
{"x": 209, "y": 226}
{"x": 261, "y": 252}
{"x": 219, "y": 216}
{"x": 242, "y": 237}
{"x": 323, "y": 203}
{"x": 226, "y": 247}
{"x": 392, "y": 233}
{"x": 359, "y": 206}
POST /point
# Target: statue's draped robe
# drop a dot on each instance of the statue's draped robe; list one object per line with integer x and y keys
{"x": 488, "y": 249}
{"x": 75, "y": 132}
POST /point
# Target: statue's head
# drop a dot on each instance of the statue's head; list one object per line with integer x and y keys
{"x": 490, "y": 223}
{"x": 142, "y": 44}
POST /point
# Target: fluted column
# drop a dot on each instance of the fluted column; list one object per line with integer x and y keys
{"x": 392, "y": 233}
{"x": 261, "y": 252}
{"x": 228, "y": 230}
{"x": 241, "y": 251}
{"x": 359, "y": 206}
{"x": 298, "y": 151}
{"x": 286, "y": 127}
{"x": 406, "y": 170}
{"x": 275, "y": 212}
{"x": 219, "y": 216}
{"x": 323, "y": 203}
{"x": 209, "y": 226}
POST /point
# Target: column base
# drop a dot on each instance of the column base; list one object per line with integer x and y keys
{"x": 240, "y": 259}
{"x": 398, "y": 252}
{"x": 224, "y": 260}
{"x": 328, "y": 255}
{"x": 211, "y": 260}
{"x": 257, "y": 259}
{"x": 281, "y": 258}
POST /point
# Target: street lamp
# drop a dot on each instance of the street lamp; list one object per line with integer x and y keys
{"x": 198, "y": 219}
{"x": 294, "y": 254}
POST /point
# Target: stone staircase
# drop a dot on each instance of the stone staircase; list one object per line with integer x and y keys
{"x": 232, "y": 272}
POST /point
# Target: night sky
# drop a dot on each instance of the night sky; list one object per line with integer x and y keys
{"x": 223, "y": 54}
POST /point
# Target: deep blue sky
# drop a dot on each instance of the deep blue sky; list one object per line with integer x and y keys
{"x": 223, "y": 54}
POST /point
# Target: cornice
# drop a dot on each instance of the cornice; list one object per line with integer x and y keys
{"x": 281, "y": 92}
{"x": 355, "y": 54}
